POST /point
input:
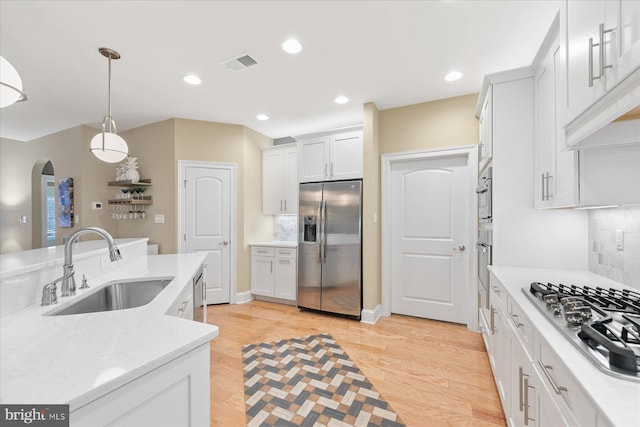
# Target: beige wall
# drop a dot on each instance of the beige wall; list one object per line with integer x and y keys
{"x": 153, "y": 145}
{"x": 225, "y": 143}
{"x": 158, "y": 147}
{"x": 443, "y": 123}
{"x": 20, "y": 167}
{"x": 370, "y": 207}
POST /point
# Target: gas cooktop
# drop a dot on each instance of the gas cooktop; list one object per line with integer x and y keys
{"x": 604, "y": 324}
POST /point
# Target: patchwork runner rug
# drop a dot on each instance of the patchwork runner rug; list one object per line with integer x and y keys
{"x": 309, "y": 381}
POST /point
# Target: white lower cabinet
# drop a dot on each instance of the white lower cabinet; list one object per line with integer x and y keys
{"x": 174, "y": 394}
{"x": 536, "y": 387}
{"x": 274, "y": 272}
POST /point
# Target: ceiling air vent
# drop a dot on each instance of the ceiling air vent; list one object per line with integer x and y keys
{"x": 239, "y": 63}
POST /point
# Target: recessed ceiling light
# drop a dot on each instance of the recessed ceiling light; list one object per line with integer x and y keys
{"x": 192, "y": 79}
{"x": 453, "y": 76}
{"x": 262, "y": 117}
{"x": 341, "y": 100}
{"x": 291, "y": 46}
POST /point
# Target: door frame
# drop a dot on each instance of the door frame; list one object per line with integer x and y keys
{"x": 387, "y": 161}
{"x": 182, "y": 168}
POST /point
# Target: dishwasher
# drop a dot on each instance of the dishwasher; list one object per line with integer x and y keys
{"x": 199, "y": 298}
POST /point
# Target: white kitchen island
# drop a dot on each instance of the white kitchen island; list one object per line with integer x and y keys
{"x": 135, "y": 366}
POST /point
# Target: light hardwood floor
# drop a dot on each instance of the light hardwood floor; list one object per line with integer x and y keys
{"x": 431, "y": 373}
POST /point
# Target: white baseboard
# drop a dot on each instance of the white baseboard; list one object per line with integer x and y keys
{"x": 371, "y": 316}
{"x": 243, "y": 297}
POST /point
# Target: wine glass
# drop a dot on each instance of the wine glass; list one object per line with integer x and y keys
{"x": 141, "y": 192}
{"x": 124, "y": 193}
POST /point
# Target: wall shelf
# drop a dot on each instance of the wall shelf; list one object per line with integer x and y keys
{"x": 144, "y": 201}
{"x": 129, "y": 183}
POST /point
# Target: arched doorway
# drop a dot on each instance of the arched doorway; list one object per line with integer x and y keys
{"x": 43, "y": 204}
{"x": 48, "y": 206}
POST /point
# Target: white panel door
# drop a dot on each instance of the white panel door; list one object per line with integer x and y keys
{"x": 429, "y": 229}
{"x": 207, "y": 225}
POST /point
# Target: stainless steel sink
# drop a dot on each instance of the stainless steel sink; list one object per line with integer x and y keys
{"x": 118, "y": 296}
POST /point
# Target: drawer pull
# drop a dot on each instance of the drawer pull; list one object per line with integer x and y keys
{"x": 520, "y": 382}
{"x": 514, "y": 318}
{"x": 545, "y": 371}
{"x": 526, "y": 388}
{"x": 492, "y": 321}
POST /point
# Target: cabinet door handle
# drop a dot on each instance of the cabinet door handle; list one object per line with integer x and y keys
{"x": 271, "y": 266}
{"x": 525, "y": 388}
{"x": 591, "y": 76}
{"x": 331, "y": 169}
{"x": 520, "y": 391}
{"x": 601, "y": 55}
{"x": 545, "y": 371}
{"x": 492, "y": 321}
{"x": 325, "y": 168}
{"x": 284, "y": 261}
{"x": 601, "y": 33}
{"x": 285, "y": 205}
{"x": 542, "y": 197}
{"x": 548, "y": 185}
{"x": 514, "y": 319}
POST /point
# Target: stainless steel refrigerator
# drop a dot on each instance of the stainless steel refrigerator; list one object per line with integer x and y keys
{"x": 330, "y": 247}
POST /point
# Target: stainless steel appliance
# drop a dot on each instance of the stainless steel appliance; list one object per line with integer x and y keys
{"x": 199, "y": 298}
{"x": 484, "y": 195}
{"x": 604, "y": 324}
{"x": 330, "y": 247}
{"x": 483, "y": 247}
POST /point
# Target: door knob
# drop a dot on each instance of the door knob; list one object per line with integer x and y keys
{"x": 224, "y": 243}
{"x": 459, "y": 248}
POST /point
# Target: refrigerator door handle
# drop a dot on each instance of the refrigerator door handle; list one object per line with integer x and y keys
{"x": 323, "y": 240}
{"x": 319, "y": 232}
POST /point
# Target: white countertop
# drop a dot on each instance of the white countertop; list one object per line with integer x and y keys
{"x": 276, "y": 244}
{"x": 15, "y": 263}
{"x": 618, "y": 399}
{"x": 75, "y": 359}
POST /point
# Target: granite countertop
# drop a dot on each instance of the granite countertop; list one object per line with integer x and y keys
{"x": 75, "y": 359}
{"x": 276, "y": 244}
{"x": 616, "y": 398}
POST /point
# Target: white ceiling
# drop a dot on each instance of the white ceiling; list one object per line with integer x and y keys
{"x": 393, "y": 53}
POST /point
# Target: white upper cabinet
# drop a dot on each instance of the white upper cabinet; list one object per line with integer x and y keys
{"x": 585, "y": 84}
{"x": 485, "y": 146}
{"x": 556, "y": 169}
{"x": 346, "y": 156}
{"x": 331, "y": 157}
{"x": 280, "y": 180}
{"x": 313, "y": 159}
{"x": 603, "y": 64}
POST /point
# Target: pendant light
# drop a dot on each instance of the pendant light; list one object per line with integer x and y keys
{"x": 10, "y": 84}
{"x": 108, "y": 146}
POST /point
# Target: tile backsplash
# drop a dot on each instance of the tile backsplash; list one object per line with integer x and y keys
{"x": 285, "y": 228}
{"x": 605, "y": 258}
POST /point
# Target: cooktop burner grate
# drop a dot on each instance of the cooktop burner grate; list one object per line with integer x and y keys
{"x": 603, "y": 323}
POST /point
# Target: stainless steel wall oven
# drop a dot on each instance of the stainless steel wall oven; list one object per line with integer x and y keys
{"x": 484, "y": 195}
{"x": 484, "y": 261}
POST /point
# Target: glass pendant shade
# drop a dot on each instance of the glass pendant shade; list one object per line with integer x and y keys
{"x": 11, "y": 84}
{"x": 109, "y": 147}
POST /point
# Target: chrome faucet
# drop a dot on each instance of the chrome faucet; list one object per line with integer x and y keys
{"x": 68, "y": 280}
